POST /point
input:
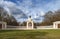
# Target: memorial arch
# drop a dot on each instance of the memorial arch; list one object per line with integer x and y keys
{"x": 30, "y": 23}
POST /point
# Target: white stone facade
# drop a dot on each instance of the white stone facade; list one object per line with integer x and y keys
{"x": 4, "y": 24}
{"x": 55, "y": 24}
{"x": 30, "y": 21}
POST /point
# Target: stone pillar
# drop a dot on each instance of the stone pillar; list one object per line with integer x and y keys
{"x": 5, "y": 25}
{"x": 27, "y": 25}
{"x": 55, "y": 25}
{"x": 32, "y": 25}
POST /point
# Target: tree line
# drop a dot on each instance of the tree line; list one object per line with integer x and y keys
{"x": 51, "y": 17}
{"x": 9, "y": 19}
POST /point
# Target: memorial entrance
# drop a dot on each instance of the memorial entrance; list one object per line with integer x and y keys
{"x": 30, "y": 23}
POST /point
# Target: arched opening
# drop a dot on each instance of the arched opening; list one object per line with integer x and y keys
{"x": 29, "y": 25}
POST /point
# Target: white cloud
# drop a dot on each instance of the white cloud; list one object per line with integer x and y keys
{"x": 7, "y": 10}
{"x": 6, "y": 5}
{"x": 53, "y": 5}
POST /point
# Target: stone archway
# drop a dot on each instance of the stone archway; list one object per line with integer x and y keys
{"x": 30, "y": 23}
{"x": 3, "y": 25}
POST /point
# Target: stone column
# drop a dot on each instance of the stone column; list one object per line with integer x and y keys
{"x": 27, "y": 25}
{"x": 55, "y": 25}
{"x": 32, "y": 25}
{"x": 5, "y": 25}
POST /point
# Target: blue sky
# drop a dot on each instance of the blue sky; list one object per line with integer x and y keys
{"x": 26, "y": 8}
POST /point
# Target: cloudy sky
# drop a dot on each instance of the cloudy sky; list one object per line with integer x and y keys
{"x": 22, "y": 9}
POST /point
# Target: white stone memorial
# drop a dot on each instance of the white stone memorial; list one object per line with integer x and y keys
{"x": 56, "y": 24}
{"x": 30, "y": 23}
{"x": 3, "y": 25}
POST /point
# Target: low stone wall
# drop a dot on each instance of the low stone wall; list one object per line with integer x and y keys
{"x": 45, "y": 27}
{"x": 24, "y": 27}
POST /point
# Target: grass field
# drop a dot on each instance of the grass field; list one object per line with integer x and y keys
{"x": 30, "y": 34}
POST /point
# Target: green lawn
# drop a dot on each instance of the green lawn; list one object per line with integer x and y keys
{"x": 30, "y": 34}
